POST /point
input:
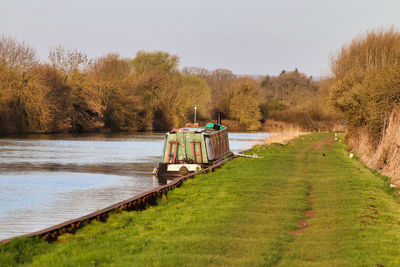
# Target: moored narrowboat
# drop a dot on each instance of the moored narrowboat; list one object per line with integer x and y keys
{"x": 193, "y": 148}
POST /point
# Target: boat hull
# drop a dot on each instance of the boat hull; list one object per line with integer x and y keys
{"x": 177, "y": 170}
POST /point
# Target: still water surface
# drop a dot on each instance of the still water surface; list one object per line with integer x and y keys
{"x": 49, "y": 179}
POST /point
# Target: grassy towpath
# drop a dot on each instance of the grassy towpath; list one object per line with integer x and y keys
{"x": 303, "y": 204}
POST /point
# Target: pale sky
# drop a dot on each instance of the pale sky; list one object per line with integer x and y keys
{"x": 245, "y": 36}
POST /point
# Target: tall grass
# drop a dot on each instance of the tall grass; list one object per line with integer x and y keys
{"x": 285, "y": 132}
{"x": 385, "y": 157}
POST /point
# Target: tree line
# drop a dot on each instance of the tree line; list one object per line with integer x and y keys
{"x": 73, "y": 93}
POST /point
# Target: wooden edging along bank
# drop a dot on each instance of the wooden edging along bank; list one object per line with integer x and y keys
{"x": 138, "y": 202}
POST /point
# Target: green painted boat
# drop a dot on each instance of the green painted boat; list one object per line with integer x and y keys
{"x": 190, "y": 149}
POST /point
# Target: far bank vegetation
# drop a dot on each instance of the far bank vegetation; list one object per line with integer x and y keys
{"x": 72, "y": 93}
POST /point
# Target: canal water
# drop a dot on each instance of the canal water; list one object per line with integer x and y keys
{"x": 49, "y": 179}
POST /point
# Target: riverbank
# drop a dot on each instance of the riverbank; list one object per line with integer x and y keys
{"x": 304, "y": 203}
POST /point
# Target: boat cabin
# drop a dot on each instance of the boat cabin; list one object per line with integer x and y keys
{"x": 191, "y": 149}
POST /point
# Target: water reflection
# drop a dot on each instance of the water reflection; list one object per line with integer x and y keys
{"x": 48, "y": 179}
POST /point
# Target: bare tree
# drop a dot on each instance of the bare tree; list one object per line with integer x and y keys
{"x": 195, "y": 71}
{"x": 16, "y": 56}
{"x": 68, "y": 61}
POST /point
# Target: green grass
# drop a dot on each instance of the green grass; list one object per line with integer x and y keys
{"x": 245, "y": 214}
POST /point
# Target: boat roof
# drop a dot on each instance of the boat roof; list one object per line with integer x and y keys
{"x": 196, "y": 129}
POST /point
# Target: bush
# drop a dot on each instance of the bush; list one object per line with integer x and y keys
{"x": 367, "y": 80}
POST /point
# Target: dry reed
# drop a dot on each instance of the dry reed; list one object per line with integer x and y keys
{"x": 287, "y": 134}
{"x": 385, "y": 157}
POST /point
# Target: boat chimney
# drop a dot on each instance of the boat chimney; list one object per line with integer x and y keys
{"x": 195, "y": 113}
{"x": 219, "y": 118}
